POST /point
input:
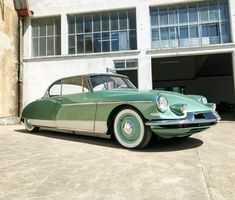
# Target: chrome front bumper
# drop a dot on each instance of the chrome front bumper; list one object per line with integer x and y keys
{"x": 191, "y": 118}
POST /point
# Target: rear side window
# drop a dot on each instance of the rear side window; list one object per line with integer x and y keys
{"x": 74, "y": 85}
{"x": 67, "y": 86}
{"x": 55, "y": 89}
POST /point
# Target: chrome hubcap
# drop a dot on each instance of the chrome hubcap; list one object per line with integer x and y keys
{"x": 128, "y": 128}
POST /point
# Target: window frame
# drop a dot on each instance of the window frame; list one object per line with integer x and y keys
{"x": 125, "y": 61}
{"x": 124, "y": 78}
{"x": 102, "y": 40}
{"x": 58, "y": 82}
{"x": 84, "y": 79}
{"x": 193, "y": 13}
{"x": 36, "y": 24}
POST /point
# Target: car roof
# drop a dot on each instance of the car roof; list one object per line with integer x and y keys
{"x": 106, "y": 74}
{"x": 93, "y": 74}
{"x": 87, "y": 75}
{"x": 90, "y": 75}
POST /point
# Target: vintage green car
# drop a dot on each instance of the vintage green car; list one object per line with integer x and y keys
{"x": 105, "y": 104}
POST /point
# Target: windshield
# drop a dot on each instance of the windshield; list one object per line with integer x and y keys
{"x": 104, "y": 82}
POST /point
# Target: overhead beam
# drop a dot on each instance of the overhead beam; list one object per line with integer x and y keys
{"x": 22, "y": 8}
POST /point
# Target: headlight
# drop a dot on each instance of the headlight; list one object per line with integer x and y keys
{"x": 162, "y": 103}
{"x": 203, "y": 100}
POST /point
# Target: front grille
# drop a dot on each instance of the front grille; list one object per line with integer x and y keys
{"x": 199, "y": 116}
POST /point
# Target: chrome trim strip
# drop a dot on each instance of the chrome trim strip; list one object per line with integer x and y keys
{"x": 92, "y": 134}
{"x": 178, "y": 122}
{"x": 123, "y": 102}
{"x": 105, "y": 102}
{"x": 210, "y": 117}
{"x": 78, "y": 132}
{"x": 78, "y": 104}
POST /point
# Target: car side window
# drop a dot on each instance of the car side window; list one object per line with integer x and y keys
{"x": 55, "y": 89}
{"x": 74, "y": 85}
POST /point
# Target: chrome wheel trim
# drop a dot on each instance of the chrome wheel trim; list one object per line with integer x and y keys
{"x": 129, "y": 130}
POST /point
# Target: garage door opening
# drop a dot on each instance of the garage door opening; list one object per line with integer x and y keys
{"x": 207, "y": 75}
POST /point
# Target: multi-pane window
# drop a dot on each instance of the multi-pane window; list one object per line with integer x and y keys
{"x": 102, "y": 32}
{"x": 126, "y": 64}
{"x": 192, "y": 24}
{"x": 46, "y": 36}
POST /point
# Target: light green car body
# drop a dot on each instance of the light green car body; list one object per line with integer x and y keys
{"x": 94, "y": 112}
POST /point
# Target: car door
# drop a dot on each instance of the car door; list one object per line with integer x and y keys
{"x": 76, "y": 110}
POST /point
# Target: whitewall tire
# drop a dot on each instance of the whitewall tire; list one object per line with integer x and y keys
{"x": 29, "y": 127}
{"x": 130, "y": 130}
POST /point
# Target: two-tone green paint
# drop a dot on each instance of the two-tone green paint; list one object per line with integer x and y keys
{"x": 100, "y": 106}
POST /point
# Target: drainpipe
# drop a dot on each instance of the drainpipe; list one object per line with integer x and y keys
{"x": 22, "y": 8}
{"x": 20, "y": 66}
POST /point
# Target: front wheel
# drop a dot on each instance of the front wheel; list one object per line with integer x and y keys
{"x": 29, "y": 127}
{"x": 130, "y": 130}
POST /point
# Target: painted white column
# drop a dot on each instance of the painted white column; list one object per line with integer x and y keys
{"x": 145, "y": 72}
{"x": 64, "y": 34}
{"x": 232, "y": 18}
{"x": 143, "y": 25}
{"x": 143, "y": 44}
{"x": 233, "y": 63}
{"x": 27, "y": 35}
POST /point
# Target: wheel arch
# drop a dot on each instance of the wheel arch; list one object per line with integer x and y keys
{"x": 115, "y": 111}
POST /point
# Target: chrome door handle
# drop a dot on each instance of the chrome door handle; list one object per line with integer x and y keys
{"x": 59, "y": 99}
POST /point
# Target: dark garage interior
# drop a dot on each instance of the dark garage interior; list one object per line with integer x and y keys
{"x": 207, "y": 75}
{"x": 132, "y": 74}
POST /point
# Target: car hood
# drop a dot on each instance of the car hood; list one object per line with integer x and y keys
{"x": 192, "y": 104}
{"x": 150, "y": 95}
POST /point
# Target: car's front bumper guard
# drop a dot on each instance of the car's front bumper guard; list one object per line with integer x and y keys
{"x": 191, "y": 118}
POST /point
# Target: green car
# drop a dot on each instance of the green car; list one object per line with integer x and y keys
{"x": 105, "y": 104}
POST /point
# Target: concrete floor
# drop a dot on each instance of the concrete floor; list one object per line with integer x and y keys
{"x": 53, "y": 165}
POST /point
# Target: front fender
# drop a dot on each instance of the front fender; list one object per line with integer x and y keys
{"x": 195, "y": 97}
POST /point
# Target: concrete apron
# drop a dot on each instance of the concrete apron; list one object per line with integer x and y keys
{"x": 9, "y": 120}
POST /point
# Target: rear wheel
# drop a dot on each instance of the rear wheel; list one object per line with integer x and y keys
{"x": 29, "y": 127}
{"x": 130, "y": 130}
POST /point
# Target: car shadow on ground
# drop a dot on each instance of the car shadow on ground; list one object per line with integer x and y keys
{"x": 155, "y": 145}
{"x": 173, "y": 144}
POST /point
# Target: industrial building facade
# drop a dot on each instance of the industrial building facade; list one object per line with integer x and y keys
{"x": 177, "y": 45}
{"x": 8, "y": 61}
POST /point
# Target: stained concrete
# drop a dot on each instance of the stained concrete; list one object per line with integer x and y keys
{"x": 9, "y": 120}
{"x": 8, "y": 59}
{"x": 53, "y": 165}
